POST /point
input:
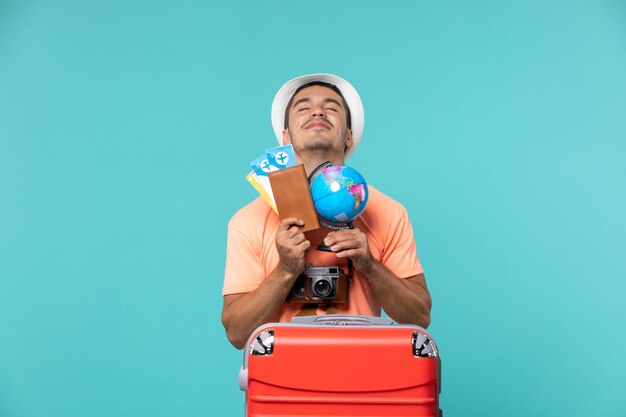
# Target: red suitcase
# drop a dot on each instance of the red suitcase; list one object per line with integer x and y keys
{"x": 339, "y": 365}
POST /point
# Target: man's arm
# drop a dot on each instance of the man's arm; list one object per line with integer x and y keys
{"x": 242, "y": 313}
{"x": 406, "y": 300}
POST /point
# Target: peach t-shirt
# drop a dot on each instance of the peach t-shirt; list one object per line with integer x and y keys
{"x": 251, "y": 253}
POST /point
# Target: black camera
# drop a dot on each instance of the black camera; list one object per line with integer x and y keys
{"x": 320, "y": 284}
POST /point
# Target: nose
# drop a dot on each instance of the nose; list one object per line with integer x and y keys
{"x": 317, "y": 110}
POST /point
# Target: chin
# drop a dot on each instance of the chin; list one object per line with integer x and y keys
{"x": 319, "y": 147}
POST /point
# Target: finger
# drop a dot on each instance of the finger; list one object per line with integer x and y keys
{"x": 304, "y": 245}
{"x": 290, "y": 232}
{"x": 346, "y": 244}
{"x": 349, "y": 253}
{"x": 341, "y": 235}
{"x": 288, "y": 222}
{"x": 297, "y": 239}
{"x": 294, "y": 231}
{"x": 332, "y": 238}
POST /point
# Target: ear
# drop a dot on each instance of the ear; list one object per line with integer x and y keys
{"x": 286, "y": 137}
{"x": 349, "y": 139}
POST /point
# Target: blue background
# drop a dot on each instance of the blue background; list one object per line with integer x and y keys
{"x": 126, "y": 129}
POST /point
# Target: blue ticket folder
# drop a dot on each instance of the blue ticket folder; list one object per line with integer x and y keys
{"x": 280, "y": 157}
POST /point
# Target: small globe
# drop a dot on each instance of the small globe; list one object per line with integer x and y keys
{"x": 339, "y": 193}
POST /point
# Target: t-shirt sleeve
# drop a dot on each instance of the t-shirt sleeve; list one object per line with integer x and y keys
{"x": 244, "y": 268}
{"x": 399, "y": 254}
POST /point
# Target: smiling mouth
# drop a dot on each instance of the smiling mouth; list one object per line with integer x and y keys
{"x": 318, "y": 125}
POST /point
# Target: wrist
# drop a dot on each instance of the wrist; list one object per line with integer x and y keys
{"x": 284, "y": 273}
{"x": 367, "y": 267}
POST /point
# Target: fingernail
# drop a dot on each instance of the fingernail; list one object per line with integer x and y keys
{"x": 333, "y": 248}
{"x": 327, "y": 242}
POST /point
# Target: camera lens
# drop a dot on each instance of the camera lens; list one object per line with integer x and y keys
{"x": 322, "y": 288}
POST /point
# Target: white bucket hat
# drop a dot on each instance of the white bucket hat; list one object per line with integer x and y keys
{"x": 357, "y": 117}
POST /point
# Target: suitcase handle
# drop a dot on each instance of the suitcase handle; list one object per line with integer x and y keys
{"x": 343, "y": 320}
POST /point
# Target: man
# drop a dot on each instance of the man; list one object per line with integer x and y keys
{"x": 321, "y": 115}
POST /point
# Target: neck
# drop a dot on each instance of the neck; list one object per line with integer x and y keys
{"x": 313, "y": 161}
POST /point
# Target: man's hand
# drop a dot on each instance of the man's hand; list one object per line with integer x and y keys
{"x": 406, "y": 300}
{"x": 351, "y": 243}
{"x": 291, "y": 245}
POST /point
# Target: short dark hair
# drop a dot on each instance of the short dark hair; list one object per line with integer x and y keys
{"x": 323, "y": 84}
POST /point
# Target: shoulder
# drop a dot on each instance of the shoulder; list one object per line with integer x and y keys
{"x": 383, "y": 215}
{"x": 380, "y": 204}
{"x": 250, "y": 217}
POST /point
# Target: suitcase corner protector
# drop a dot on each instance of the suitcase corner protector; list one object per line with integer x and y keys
{"x": 243, "y": 379}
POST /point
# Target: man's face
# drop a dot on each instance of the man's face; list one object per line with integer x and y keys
{"x": 317, "y": 122}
